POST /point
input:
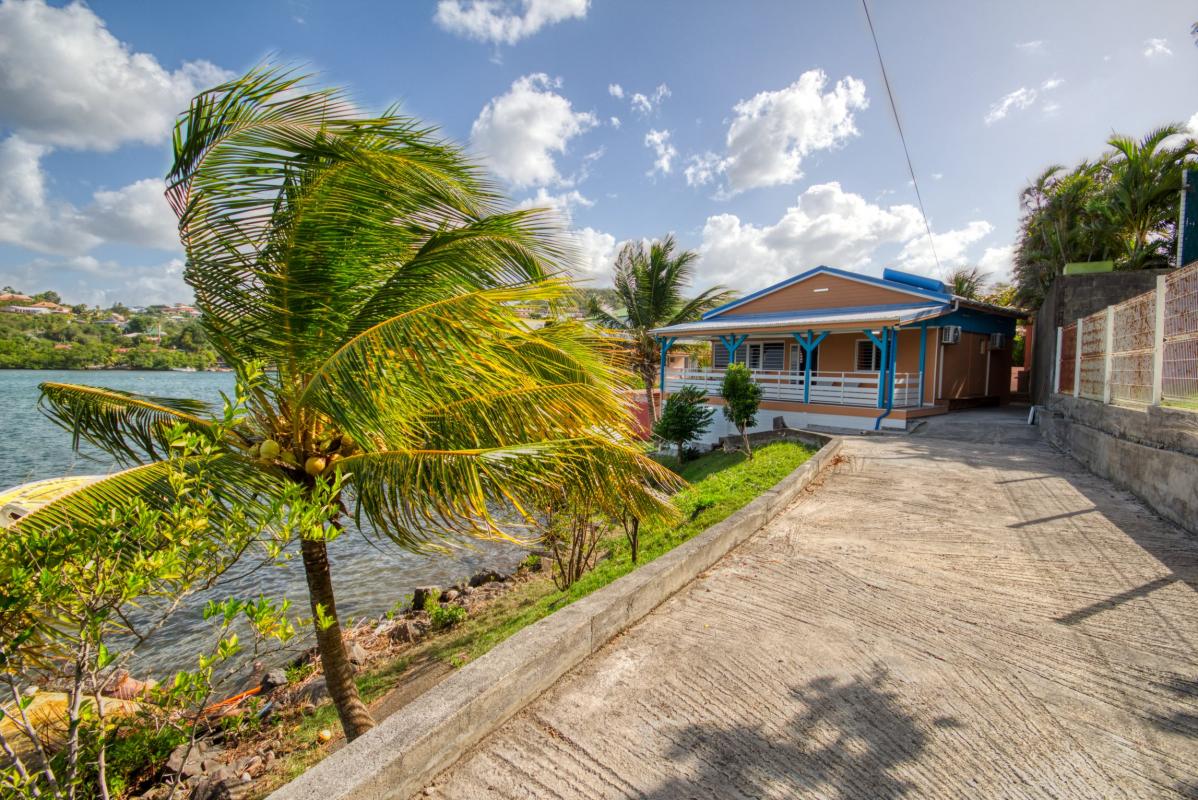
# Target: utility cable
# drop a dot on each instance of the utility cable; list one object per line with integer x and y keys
{"x": 894, "y": 109}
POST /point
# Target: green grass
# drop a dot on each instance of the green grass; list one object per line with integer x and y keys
{"x": 719, "y": 485}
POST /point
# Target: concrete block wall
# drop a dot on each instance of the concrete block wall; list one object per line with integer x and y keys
{"x": 1152, "y": 453}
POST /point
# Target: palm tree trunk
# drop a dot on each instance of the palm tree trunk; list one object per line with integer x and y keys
{"x": 649, "y": 401}
{"x": 338, "y": 672}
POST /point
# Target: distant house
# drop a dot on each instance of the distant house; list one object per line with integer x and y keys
{"x": 840, "y": 349}
{"x": 53, "y": 308}
{"x": 10, "y": 297}
{"x": 115, "y": 319}
{"x": 25, "y": 310}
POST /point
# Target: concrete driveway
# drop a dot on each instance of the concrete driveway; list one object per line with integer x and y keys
{"x": 963, "y": 613}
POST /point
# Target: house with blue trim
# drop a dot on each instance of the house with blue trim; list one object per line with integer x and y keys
{"x": 840, "y": 349}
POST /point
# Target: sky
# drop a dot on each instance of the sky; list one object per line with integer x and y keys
{"x": 758, "y": 133}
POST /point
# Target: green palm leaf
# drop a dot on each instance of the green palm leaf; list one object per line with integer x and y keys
{"x": 237, "y": 484}
{"x": 130, "y": 426}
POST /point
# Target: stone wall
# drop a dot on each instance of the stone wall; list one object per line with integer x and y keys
{"x": 1151, "y": 452}
{"x": 1071, "y": 297}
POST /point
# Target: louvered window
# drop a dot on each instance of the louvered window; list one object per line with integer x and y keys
{"x": 869, "y": 357}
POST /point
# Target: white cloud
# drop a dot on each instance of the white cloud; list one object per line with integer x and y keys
{"x": 951, "y": 247}
{"x": 996, "y": 262}
{"x": 1034, "y": 46}
{"x": 663, "y": 151}
{"x": 1017, "y": 100}
{"x": 1021, "y": 99}
{"x": 66, "y": 81}
{"x": 84, "y": 279}
{"x": 1156, "y": 47}
{"x": 520, "y": 132}
{"x": 595, "y": 253}
{"x": 647, "y": 104}
{"x": 135, "y": 214}
{"x": 616, "y": 90}
{"x": 702, "y": 169}
{"x": 1193, "y": 124}
{"x": 615, "y": 122}
{"x": 772, "y": 132}
{"x": 562, "y": 204}
{"x": 503, "y": 21}
{"x": 827, "y": 226}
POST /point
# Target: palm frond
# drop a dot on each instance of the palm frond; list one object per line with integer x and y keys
{"x": 237, "y": 484}
{"x": 129, "y": 426}
{"x": 415, "y": 497}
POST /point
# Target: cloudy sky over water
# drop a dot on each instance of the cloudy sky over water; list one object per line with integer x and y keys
{"x": 758, "y": 132}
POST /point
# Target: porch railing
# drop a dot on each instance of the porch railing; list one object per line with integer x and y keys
{"x": 827, "y": 388}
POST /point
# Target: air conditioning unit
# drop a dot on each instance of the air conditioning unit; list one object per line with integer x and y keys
{"x": 950, "y": 334}
{"x": 997, "y": 341}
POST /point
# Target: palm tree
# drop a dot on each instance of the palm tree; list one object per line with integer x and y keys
{"x": 967, "y": 282}
{"x": 377, "y": 276}
{"x": 1142, "y": 190}
{"x": 650, "y": 284}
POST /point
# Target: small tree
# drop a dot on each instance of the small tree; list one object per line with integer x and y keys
{"x": 741, "y": 399}
{"x": 686, "y": 417}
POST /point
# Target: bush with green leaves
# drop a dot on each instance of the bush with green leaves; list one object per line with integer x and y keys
{"x": 442, "y": 616}
{"x": 83, "y": 596}
{"x": 685, "y": 417}
{"x": 742, "y": 398}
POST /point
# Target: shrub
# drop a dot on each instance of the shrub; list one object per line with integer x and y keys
{"x": 685, "y": 417}
{"x": 742, "y": 397}
{"x": 441, "y": 616}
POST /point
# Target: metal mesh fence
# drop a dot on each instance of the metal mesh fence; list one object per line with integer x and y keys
{"x": 1133, "y": 331}
{"x": 1093, "y": 346}
{"x": 1179, "y": 380}
{"x": 1065, "y": 362}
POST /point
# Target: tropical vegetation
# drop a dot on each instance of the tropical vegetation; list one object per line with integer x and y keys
{"x": 742, "y": 398}
{"x": 650, "y": 284}
{"x": 684, "y": 418}
{"x": 112, "y": 338}
{"x": 1120, "y": 207}
{"x": 377, "y": 280}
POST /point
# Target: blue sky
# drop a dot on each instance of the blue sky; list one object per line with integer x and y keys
{"x": 759, "y": 133}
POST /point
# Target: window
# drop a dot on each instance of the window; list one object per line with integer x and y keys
{"x": 799, "y": 358}
{"x": 756, "y": 355}
{"x": 869, "y": 357}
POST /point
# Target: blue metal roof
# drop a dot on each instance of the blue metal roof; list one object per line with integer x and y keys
{"x": 825, "y": 270}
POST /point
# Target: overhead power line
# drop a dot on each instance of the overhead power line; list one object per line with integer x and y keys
{"x": 898, "y": 123}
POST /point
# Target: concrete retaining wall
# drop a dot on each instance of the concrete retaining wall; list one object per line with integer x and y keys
{"x": 1152, "y": 452}
{"x": 409, "y": 748}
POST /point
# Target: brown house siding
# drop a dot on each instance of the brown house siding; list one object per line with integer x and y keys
{"x": 841, "y": 293}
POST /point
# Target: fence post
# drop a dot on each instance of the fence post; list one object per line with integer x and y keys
{"x": 1056, "y": 363}
{"x": 1108, "y": 344}
{"x": 1077, "y": 358}
{"x": 1158, "y": 344}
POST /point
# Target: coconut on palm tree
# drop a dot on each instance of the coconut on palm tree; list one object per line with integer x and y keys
{"x": 380, "y": 280}
{"x": 651, "y": 284}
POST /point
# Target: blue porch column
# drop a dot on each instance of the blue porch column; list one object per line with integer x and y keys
{"x": 732, "y": 343}
{"x": 809, "y": 344}
{"x": 923, "y": 352}
{"x": 883, "y": 345}
{"x": 890, "y": 378}
{"x": 666, "y": 343}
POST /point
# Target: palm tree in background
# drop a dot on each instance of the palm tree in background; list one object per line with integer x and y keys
{"x": 967, "y": 282}
{"x": 650, "y": 283}
{"x": 378, "y": 277}
{"x": 1142, "y": 193}
{"x": 1122, "y": 207}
